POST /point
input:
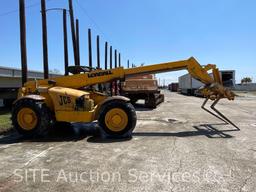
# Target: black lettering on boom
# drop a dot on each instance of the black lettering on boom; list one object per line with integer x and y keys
{"x": 98, "y": 74}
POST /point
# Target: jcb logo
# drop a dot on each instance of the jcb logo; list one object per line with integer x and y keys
{"x": 64, "y": 100}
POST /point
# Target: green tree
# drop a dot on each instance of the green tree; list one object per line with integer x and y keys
{"x": 246, "y": 80}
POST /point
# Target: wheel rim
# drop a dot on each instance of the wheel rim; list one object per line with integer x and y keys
{"x": 27, "y": 119}
{"x": 116, "y": 119}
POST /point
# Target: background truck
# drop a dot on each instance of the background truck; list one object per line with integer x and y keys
{"x": 173, "y": 87}
{"x": 143, "y": 87}
{"x": 189, "y": 86}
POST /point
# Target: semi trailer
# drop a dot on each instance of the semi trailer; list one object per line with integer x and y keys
{"x": 189, "y": 85}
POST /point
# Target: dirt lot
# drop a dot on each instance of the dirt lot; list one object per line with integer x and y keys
{"x": 176, "y": 147}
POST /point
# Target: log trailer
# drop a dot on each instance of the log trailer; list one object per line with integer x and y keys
{"x": 42, "y": 104}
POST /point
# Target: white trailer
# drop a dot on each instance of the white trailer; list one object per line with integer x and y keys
{"x": 189, "y": 86}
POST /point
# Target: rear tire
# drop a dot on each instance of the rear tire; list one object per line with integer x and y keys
{"x": 31, "y": 118}
{"x": 117, "y": 119}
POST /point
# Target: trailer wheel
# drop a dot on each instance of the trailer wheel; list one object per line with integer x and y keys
{"x": 117, "y": 118}
{"x": 31, "y": 118}
{"x": 150, "y": 101}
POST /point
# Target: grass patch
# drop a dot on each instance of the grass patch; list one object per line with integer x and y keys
{"x": 5, "y": 121}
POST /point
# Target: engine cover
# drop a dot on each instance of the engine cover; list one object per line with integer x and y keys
{"x": 67, "y": 99}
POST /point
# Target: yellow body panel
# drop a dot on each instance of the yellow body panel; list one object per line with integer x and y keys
{"x": 98, "y": 97}
{"x": 64, "y": 99}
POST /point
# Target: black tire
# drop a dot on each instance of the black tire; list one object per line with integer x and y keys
{"x": 62, "y": 125}
{"x": 61, "y": 128}
{"x": 130, "y": 112}
{"x": 43, "y": 114}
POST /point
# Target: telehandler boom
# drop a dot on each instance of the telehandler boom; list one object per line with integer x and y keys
{"x": 42, "y": 104}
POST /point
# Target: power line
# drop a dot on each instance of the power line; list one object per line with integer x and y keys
{"x": 92, "y": 20}
{"x": 17, "y": 10}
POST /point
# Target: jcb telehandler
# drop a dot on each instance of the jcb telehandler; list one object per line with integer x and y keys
{"x": 44, "y": 103}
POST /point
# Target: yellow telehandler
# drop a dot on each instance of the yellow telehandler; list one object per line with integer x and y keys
{"x": 42, "y": 104}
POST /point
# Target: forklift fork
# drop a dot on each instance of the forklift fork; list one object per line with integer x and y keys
{"x": 219, "y": 115}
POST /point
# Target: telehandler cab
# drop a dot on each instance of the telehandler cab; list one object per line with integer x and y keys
{"x": 42, "y": 104}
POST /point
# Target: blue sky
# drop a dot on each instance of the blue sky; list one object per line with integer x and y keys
{"x": 145, "y": 31}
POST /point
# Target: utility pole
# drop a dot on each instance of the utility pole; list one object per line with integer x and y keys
{"x": 65, "y": 40}
{"x": 23, "y": 44}
{"x": 116, "y": 67}
{"x": 110, "y": 63}
{"x": 44, "y": 37}
{"x": 119, "y": 65}
{"x": 98, "y": 52}
{"x": 98, "y": 60}
{"x": 119, "y": 59}
{"x": 77, "y": 42}
{"x": 90, "y": 47}
{"x": 71, "y": 13}
{"x": 106, "y": 55}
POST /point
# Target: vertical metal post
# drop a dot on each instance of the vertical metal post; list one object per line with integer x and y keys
{"x": 90, "y": 47}
{"x": 110, "y": 63}
{"x": 106, "y": 55}
{"x": 23, "y": 44}
{"x": 110, "y": 58}
{"x": 98, "y": 59}
{"x": 119, "y": 59}
{"x": 115, "y": 58}
{"x": 65, "y": 40}
{"x": 44, "y": 37}
{"x": 119, "y": 65}
{"x": 106, "y": 63}
{"x": 72, "y": 22}
{"x": 77, "y": 42}
{"x": 115, "y": 67}
{"x": 98, "y": 52}
{"x": 128, "y": 64}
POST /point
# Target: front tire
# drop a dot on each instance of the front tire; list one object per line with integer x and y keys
{"x": 31, "y": 118}
{"x": 117, "y": 119}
